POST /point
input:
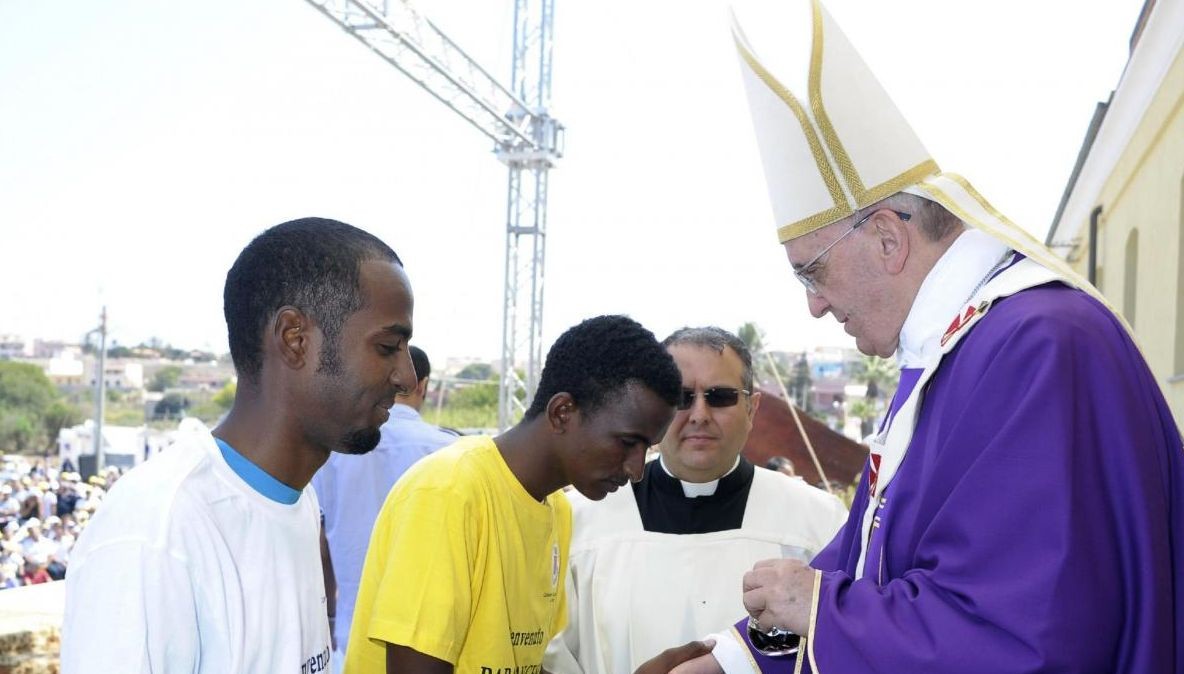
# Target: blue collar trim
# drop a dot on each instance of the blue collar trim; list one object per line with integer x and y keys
{"x": 255, "y": 476}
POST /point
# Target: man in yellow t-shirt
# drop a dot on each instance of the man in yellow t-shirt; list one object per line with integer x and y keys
{"x": 467, "y": 558}
{"x": 465, "y": 565}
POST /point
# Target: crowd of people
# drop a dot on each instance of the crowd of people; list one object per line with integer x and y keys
{"x": 43, "y": 509}
{"x": 1019, "y": 510}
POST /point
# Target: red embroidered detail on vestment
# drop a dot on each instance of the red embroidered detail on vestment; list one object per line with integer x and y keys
{"x": 873, "y": 473}
{"x": 960, "y": 321}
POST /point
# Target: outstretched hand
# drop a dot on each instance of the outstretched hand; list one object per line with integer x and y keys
{"x": 704, "y": 664}
{"x": 667, "y": 660}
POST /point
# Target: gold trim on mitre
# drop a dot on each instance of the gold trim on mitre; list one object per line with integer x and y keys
{"x": 882, "y": 191}
{"x": 817, "y": 221}
{"x": 899, "y": 183}
{"x": 824, "y": 167}
{"x": 863, "y": 196}
{"x": 842, "y": 180}
{"x": 850, "y": 175}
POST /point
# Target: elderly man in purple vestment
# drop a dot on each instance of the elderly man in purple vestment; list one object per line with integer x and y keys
{"x": 1023, "y": 507}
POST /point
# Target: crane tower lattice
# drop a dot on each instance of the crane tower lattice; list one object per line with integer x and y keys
{"x": 526, "y": 139}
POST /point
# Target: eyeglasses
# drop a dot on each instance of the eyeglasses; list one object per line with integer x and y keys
{"x": 805, "y": 273}
{"x": 718, "y": 396}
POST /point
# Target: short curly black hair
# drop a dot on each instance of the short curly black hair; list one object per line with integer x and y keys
{"x": 423, "y": 366}
{"x": 311, "y": 264}
{"x": 601, "y": 356}
{"x": 716, "y": 339}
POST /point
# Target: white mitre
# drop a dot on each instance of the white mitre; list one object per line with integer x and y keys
{"x": 832, "y": 141}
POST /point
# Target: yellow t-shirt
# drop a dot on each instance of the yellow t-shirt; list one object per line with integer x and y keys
{"x": 463, "y": 565}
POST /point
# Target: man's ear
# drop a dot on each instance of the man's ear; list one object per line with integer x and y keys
{"x": 291, "y": 337}
{"x": 562, "y": 413}
{"x": 893, "y": 243}
{"x": 754, "y": 403}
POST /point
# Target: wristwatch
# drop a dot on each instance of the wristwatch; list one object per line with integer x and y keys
{"x": 773, "y": 641}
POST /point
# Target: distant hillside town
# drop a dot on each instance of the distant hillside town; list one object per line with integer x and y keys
{"x": 48, "y": 394}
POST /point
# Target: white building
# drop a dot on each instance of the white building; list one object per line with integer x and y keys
{"x": 125, "y": 446}
{"x": 14, "y": 346}
{"x": 66, "y": 367}
{"x": 121, "y": 375}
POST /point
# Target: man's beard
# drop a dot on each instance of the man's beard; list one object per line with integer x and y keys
{"x": 360, "y": 441}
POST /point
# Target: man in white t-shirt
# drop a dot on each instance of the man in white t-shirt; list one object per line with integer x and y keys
{"x": 206, "y": 557}
{"x": 352, "y": 488}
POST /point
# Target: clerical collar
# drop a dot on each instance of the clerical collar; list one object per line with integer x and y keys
{"x": 946, "y": 288}
{"x": 693, "y": 489}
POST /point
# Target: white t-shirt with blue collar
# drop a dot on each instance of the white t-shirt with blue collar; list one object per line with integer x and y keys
{"x": 198, "y": 561}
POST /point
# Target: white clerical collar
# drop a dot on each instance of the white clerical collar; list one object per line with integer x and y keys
{"x": 693, "y": 489}
{"x": 946, "y": 288}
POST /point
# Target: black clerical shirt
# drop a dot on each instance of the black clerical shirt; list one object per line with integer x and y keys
{"x": 665, "y": 509}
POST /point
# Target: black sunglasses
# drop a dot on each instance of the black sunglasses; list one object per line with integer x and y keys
{"x": 719, "y": 396}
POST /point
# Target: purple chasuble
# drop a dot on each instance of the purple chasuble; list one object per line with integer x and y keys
{"x": 908, "y": 379}
{"x": 1036, "y": 523}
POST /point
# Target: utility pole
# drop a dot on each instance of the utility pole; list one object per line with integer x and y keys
{"x": 100, "y": 390}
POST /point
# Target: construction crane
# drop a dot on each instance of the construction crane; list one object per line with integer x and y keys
{"x": 526, "y": 139}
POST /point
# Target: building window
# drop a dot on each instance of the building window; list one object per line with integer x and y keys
{"x": 1130, "y": 276}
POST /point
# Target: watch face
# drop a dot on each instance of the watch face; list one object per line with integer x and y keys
{"x": 775, "y": 641}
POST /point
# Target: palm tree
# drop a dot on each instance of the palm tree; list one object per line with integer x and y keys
{"x": 880, "y": 376}
{"x": 862, "y": 409}
{"x": 800, "y": 384}
{"x": 754, "y": 338}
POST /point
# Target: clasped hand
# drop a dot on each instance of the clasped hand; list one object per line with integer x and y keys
{"x": 777, "y": 593}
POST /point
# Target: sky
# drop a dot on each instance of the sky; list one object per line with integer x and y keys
{"x": 143, "y": 144}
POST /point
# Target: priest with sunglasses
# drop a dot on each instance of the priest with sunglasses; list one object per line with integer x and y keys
{"x": 646, "y": 562}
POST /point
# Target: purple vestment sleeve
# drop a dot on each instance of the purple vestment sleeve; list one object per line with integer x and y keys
{"x": 843, "y": 550}
{"x": 1035, "y": 523}
{"x": 764, "y": 662}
